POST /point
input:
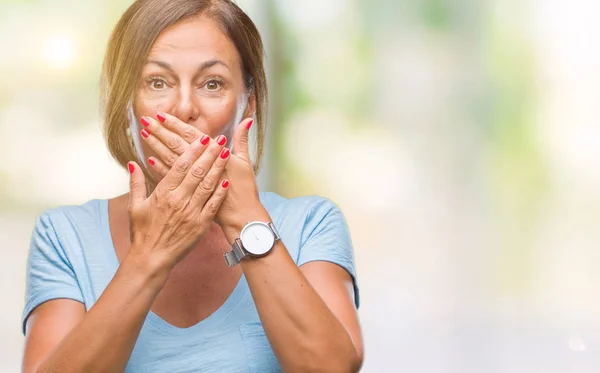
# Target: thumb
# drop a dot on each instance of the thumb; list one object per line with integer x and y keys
{"x": 137, "y": 184}
{"x": 240, "y": 139}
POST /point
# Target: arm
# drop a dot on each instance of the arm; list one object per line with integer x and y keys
{"x": 61, "y": 337}
{"x": 164, "y": 228}
{"x": 308, "y": 313}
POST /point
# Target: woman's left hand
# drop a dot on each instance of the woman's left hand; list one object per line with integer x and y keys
{"x": 242, "y": 202}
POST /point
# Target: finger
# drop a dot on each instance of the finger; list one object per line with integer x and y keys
{"x": 165, "y": 154}
{"x": 205, "y": 188}
{"x": 182, "y": 165}
{"x": 158, "y": 166}
{"x": 200, "y": 170}
{"x": 171, "y": 140}
{"x": 186, "y": 131}
{"x": 137, "y": 184}
{"x": 211, "y": 207}
{"x": 240, "y": 139}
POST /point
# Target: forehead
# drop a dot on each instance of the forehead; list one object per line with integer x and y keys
{"x": 197, "y": 37}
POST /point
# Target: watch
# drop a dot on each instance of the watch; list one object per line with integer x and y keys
{"x": 256, "y": 240}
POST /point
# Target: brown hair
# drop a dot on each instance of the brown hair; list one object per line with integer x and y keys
{"x": 130, "y": 44}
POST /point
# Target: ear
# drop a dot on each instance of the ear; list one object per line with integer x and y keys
{"x": 251, "y": 107}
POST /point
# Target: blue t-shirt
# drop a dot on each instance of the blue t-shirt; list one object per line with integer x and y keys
{"x": 72, "y": 256}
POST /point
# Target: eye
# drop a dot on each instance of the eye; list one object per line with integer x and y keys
{"x": 157, "y": 83}
{"x": 213, "y": 85}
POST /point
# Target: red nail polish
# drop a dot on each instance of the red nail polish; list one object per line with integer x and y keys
{"x": 225, "y": 183}
{"x": 250, "y": 124}
{"x": 204, "y": 140}
{"x": 151, "y": 161}
{"x": 145, "y": 122}
{"x": 131, "y": 167}
{"x": 161, "y": 117}
{"x": 145, "y": 133}
{"x": 221, "y": 140}
{"x": 224, "y": 153}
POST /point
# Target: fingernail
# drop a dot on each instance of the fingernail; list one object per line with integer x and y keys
{"x": 151, "y": 161}
{"x": 225, "y": 183}
{"x": 130, "y": 167}
{"x": 250, "y": 124}
{"x": 161, "y": 117}
{"x": 224, "y": 153}
{"x": 145, "y": 122}
{"x": 221, "y": 140}
{"x": 145, "y": 133}
{"x": 204, "y": 140}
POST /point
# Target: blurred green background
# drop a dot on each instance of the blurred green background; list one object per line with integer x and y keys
{"x": 459, "y": 137}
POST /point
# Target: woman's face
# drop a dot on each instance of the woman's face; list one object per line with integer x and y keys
{"x": 193, "y": 72}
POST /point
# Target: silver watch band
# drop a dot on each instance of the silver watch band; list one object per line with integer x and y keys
{"x": 275, "y": 233}
{"x": 235, "y": 255}
{"x": 237, "y": 252}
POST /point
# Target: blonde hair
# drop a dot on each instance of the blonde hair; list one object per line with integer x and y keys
{"x": 130, "y": 44}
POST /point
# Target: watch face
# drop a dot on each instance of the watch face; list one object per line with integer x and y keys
{"x": 257, "y": 238}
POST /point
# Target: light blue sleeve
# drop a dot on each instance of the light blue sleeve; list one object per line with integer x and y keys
{"x": 326, "y": 237}
{"x": 49, "y": 273}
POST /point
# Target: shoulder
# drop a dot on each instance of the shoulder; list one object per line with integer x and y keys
{"x": 304, "y": 216}
{"x": 305, "y": 206}
{"x": 65, "y": 221}
{"x": 313, "y": 228}
{"x": 86, "y": 210}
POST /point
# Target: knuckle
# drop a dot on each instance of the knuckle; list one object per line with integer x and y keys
{"x": 182, "y": 166}
{"x": 159, "y": 191}
{"x": 204, "y": 188}
{"x": 198, "y": 172}
{"x": 212, "y": 207}
{"x": 134, "y": 184}
{"x": 208, "y": 182}
{"x": 186, "y": 219}
{"x": 170, "y": 159}
{"x": 130, "y": 210}
{"x": 190, "y": 134}
{"x": 175, "y": 202}
{"x": 159, "y": 202}
{"x": 174, "y": 143}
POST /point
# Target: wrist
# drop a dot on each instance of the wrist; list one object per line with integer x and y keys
{"x": 146, "y": 268}
{"x": 233, "y": 227}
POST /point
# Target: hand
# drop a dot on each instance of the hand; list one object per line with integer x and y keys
{"x": 242, "y": 203}
{"x": 169, "y": 138}
{"x": 180, "y": 210}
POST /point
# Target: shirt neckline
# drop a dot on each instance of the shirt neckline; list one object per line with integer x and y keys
{"x": 209, "y": 322}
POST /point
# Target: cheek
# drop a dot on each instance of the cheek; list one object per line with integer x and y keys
{"x": 217, "y": 114}
{"x": 149, "y": 106}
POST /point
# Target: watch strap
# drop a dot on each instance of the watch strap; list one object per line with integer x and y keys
{"x": 235, "y": 255}
{"x": 275, "y": 233}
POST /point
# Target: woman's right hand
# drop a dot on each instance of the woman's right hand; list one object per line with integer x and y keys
{"x": 181, "y": 209}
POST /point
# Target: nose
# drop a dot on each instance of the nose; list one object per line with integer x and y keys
{"x": 187, "y": 106}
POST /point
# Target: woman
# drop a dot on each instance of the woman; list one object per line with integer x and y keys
{"x": 193, "y": 270}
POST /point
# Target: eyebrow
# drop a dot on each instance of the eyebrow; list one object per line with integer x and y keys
{"x": 204, "y": 65}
